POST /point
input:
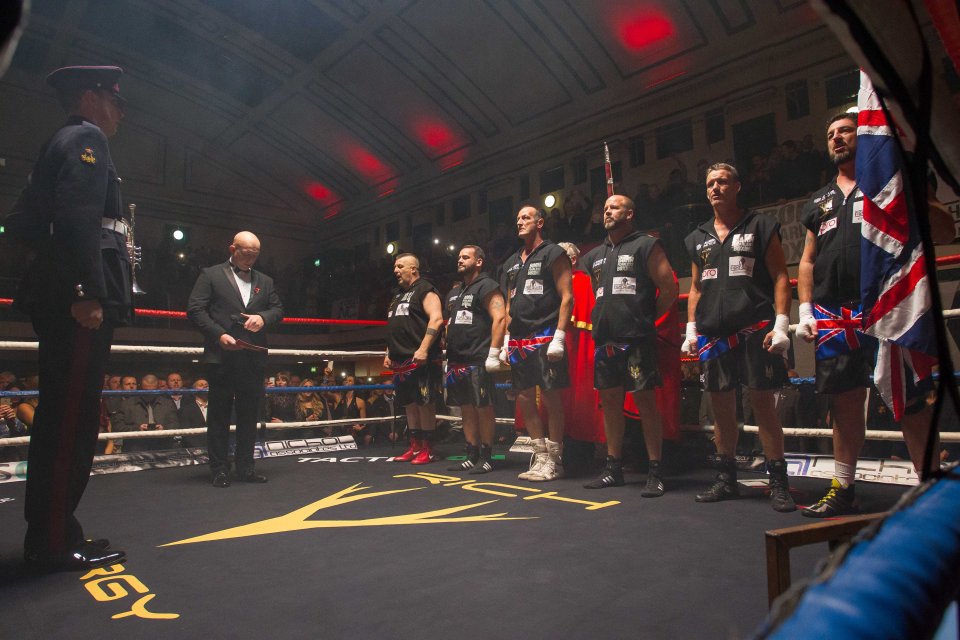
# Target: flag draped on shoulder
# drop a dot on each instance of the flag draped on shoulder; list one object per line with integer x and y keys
{"x": 894, "y": 284}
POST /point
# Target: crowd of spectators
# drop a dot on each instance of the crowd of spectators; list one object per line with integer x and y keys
{"x": 797, "y": 405}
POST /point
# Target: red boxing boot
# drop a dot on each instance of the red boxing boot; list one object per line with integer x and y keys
{"x": 416, "y": 446}
{"x": 425, "y": 455}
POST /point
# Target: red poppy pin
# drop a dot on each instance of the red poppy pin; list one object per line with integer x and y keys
{"x": 256, "y": 290}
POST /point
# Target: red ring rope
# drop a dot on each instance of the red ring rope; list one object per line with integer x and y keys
{"x": 942, "y": 261}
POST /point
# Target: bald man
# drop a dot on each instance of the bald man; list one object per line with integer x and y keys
{"x": 233, "y": 305}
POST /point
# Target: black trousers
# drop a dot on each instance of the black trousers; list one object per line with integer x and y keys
{"x": 236, "y": 383}
{"x": 63, "y": 437}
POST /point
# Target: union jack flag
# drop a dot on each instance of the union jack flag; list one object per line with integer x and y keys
{"x": 518, "y": 350}
{"x": 838, "y": 330}
{"x": 456, "y": 372}
{"x": 610, "y": 350}
{"x": 708, "y": 348}
{"x": 403, "y": 371}
{"x": 894, "y": 284}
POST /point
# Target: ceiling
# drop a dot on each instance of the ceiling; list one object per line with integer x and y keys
{"x": 319, "y": 108}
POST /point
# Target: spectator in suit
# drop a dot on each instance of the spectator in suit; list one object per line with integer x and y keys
{"x": 193, "y": 414}
{"x": 385, "y": 404}
{"x": 149, "y": 413}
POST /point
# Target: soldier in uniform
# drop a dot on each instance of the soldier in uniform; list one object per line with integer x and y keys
{"x": 414, "y": 322}
{"x": 475, "y": 330}
{"x": 738, "y": 324}
{"x": 539, "y": 289}
{"x": 633, "y": 285}
{"x": 76, "y": 290}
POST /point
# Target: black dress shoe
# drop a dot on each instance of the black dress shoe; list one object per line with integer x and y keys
{"x": 252, "y": 476}
{"x": 100, "y": 543}
{"x": 221, "y": 481}
{"x": 83, "y": 557}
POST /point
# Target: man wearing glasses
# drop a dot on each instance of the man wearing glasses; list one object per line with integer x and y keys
{"x": 76, "y": 291}
{"x": 232, "y": 305}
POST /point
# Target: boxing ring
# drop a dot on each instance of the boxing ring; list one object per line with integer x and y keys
{"x": 249, "y": 561}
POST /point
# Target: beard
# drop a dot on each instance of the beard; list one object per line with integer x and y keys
{"x": 839, "y": 158}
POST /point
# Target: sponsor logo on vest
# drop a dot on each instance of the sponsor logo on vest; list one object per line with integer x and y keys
{"x": 741, "y": 266}
{"x": 742, "y": 242}
{"x": 829, "y": 224}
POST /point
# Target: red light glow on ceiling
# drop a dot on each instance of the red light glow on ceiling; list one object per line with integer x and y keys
{"x": 436, "y": 136}
{"x": 639, "y": 31}
{"x": 317, "y": 191}
{"x": 366, "y": 164}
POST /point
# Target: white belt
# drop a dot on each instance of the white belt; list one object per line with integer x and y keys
{"x": 114, "y": 225}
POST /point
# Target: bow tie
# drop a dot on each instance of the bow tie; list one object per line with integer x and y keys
{"x": 238, "y": 270}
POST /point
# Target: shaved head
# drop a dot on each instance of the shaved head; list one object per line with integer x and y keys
{"x": 244, "y": 250}
{"x": 246, "y": 240}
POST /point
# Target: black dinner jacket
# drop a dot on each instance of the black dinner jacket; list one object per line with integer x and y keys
{"x": 215, "y": 306}
{"x": 190, "y": 414}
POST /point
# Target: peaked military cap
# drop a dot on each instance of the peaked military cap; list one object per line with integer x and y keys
{"x": 81, "y": 78}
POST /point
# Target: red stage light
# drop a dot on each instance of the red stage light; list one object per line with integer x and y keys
{"x": 367, "y": 164}
{"x": 641, "y": 31}
{"x": 435, "y": 135}
{"x": 317, "y": 191}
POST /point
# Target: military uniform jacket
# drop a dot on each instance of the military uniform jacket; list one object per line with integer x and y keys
{"x": 407, "y": 322}
{"x": 736, "y": 288}
{"x": 469, "y": 323}
{"x": 835, "y": 221}
{"x": 72, "y": 187}
{"x": 626, "y": 297}
{"x": 215, "y": 308}
{"x": 531, "y": 289}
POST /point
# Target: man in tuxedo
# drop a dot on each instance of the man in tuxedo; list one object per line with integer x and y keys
{"x": 233, "y": 305}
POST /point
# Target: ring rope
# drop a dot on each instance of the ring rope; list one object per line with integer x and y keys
{"x": 169, "y": 433}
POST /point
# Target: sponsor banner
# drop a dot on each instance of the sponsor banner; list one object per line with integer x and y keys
{"x": 120, "y": 463}
{"x": 348, "y": 459}
{"x": 303, "y": 446}
{"x": 819, "y": 466}
{"x": 792, "y": 233}
{"x": 140, "y": 460}
{"x": 523, "y": 444}
{"x": 868, "y": 469}
{"x": 13, "y": 471}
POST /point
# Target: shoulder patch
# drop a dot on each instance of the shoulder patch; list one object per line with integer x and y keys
{"x": 87, "y": 156}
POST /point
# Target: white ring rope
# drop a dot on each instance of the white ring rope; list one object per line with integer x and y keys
{"x": 19, "y": 345}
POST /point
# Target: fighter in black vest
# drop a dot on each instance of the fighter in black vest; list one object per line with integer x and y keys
{"x": 739, "y": 283}
{"x": 76, "y": 291}
{"x": 634, "y": 285}
{"x": 414, "y": 322}
{"x": 476, "y": 325}
{"x": 539, "y": 289}
{"x": 829, "y": 291}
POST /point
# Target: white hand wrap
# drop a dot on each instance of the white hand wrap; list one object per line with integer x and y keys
{"x": 492, "y": 364}
{"x": 689, "y": 346}
{"x": 807, "y": 328}
{"x": 504, "y": 351}
{"x": 781, "y": 335}
{"x": 555, "y": 348}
